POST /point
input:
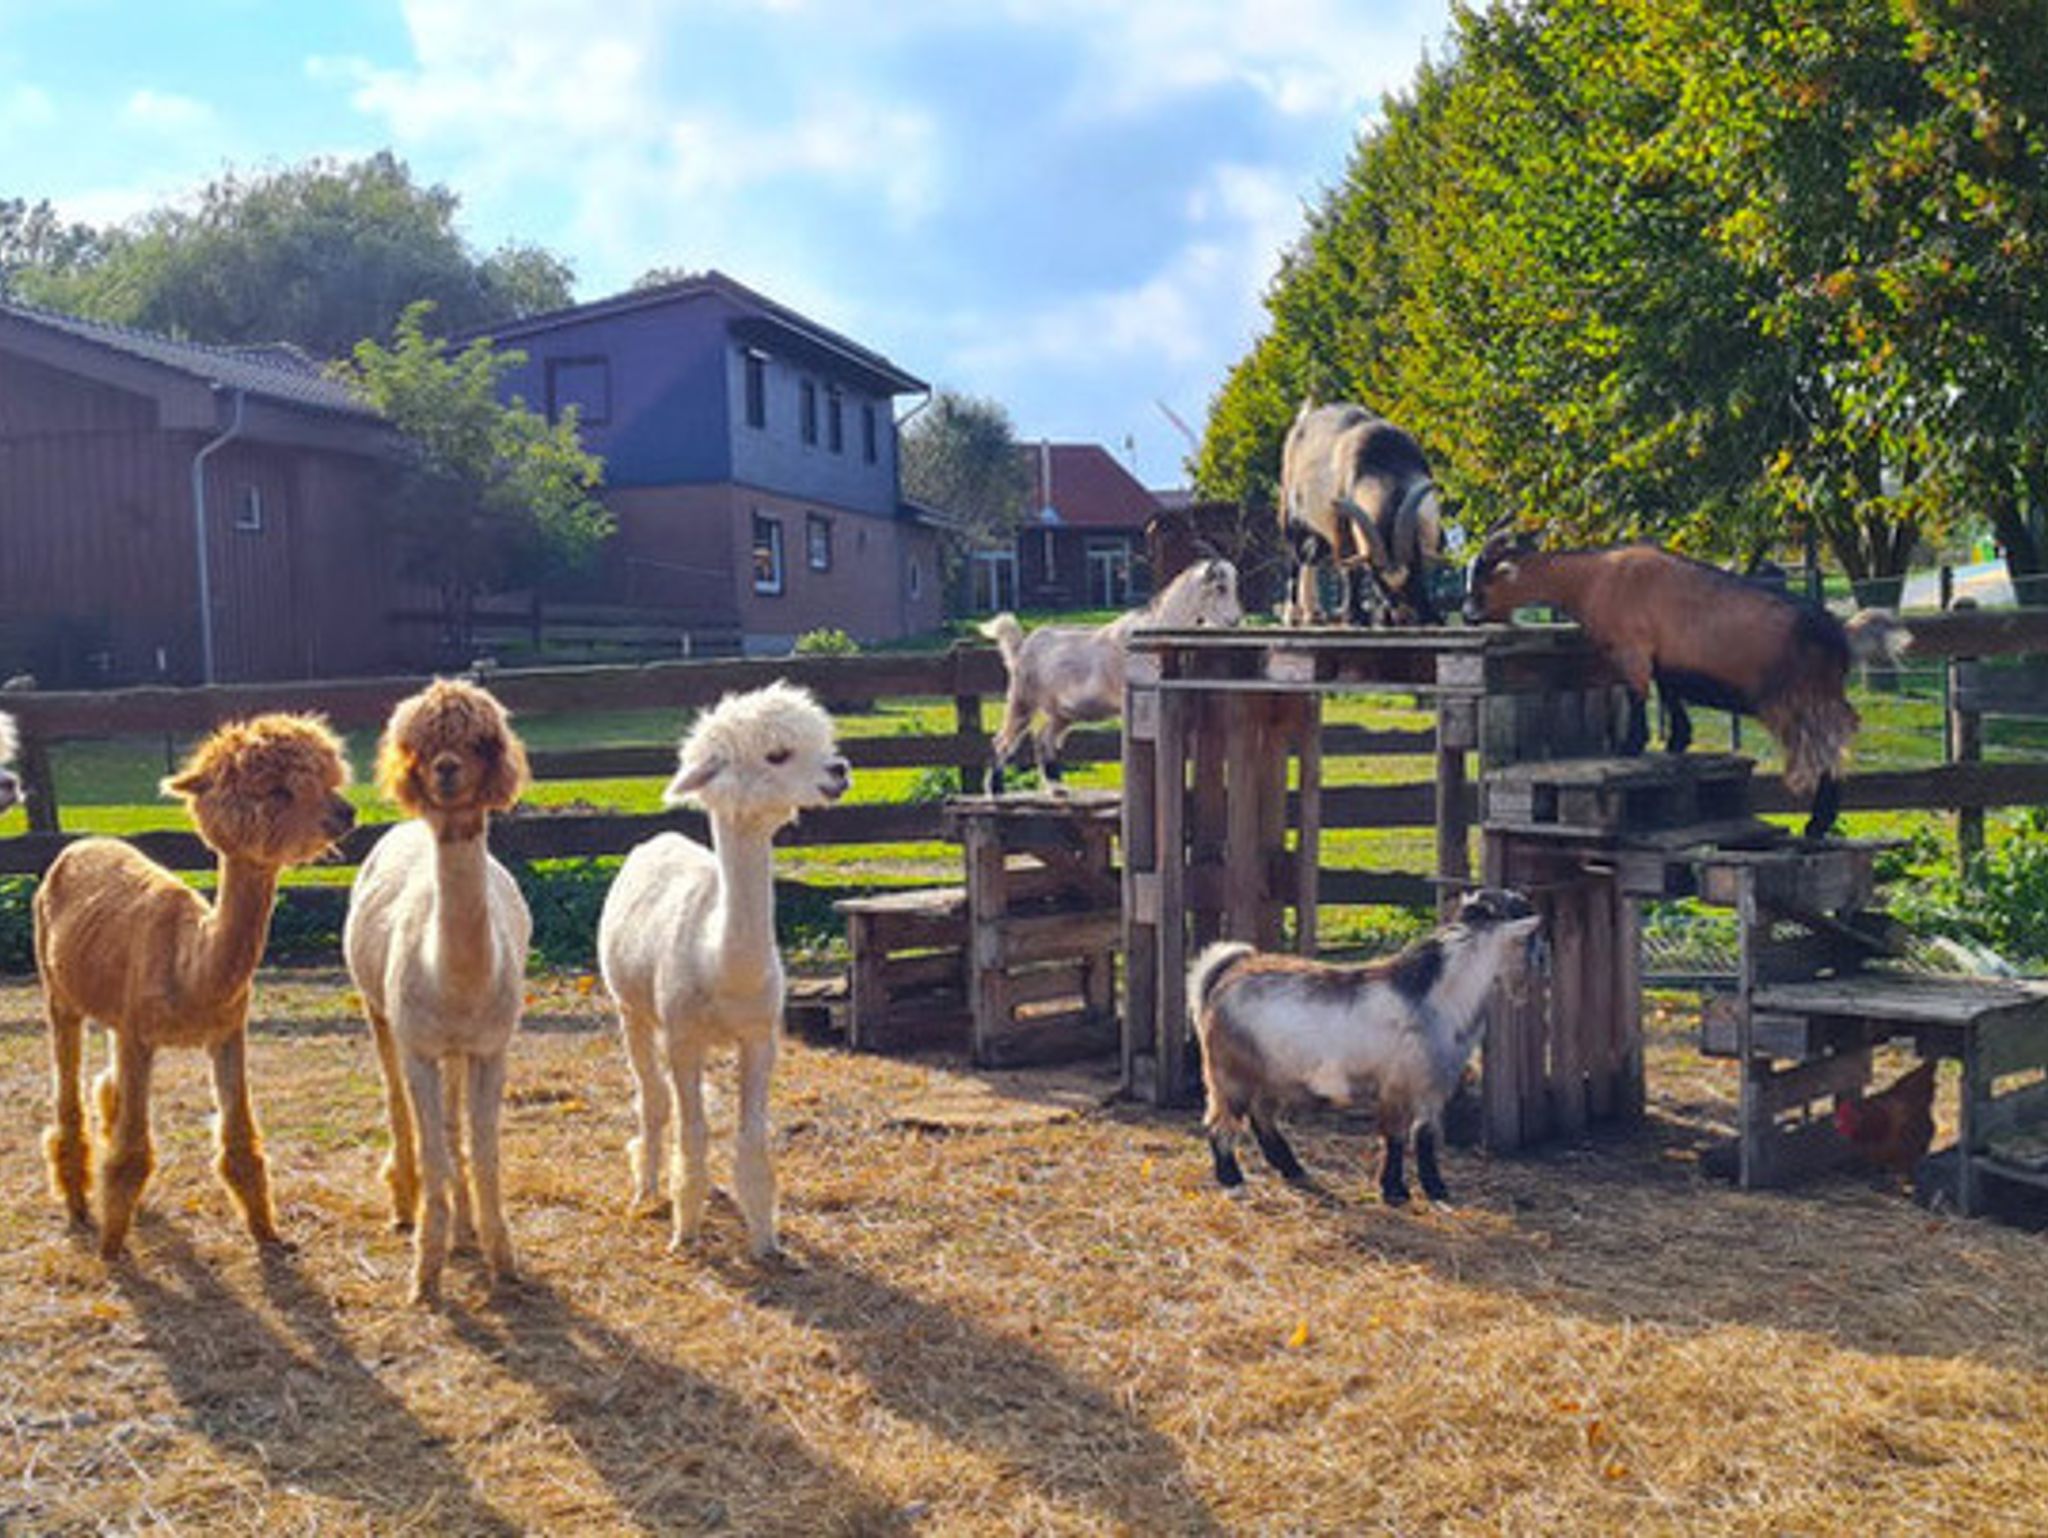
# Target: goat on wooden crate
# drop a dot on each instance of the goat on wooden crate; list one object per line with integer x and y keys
{"x": 1704, "y": 636}
{"x": 1348, "y": 476}
{"x": 1280, "y": 1030}
{"x": 1067, "y": 674}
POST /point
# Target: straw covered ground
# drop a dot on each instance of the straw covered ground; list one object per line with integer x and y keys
{"x": 1037, "y": 1316}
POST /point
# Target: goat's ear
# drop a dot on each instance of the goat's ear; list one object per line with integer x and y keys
{"x": 1521, "y": 929}
{"x": 690, "y": 779}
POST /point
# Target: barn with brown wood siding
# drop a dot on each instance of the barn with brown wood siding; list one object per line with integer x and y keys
{"x": 114, "y": 444}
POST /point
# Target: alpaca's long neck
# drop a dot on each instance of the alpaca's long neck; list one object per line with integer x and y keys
{"x": 462, "y": 909}
{"x": 745, "y": 923}
{"x": 231, "y": 937}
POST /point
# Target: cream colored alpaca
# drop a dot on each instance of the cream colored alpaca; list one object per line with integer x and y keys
{"x": 687, "y": 943}
{"x": 436, "y": 941}
{"x": 10, "y": 787}
{"x": 121, "y": 940}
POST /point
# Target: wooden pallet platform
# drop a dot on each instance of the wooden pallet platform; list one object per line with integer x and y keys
{"x": 1674, "y": 798}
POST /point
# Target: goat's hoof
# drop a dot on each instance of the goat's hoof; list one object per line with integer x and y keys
{"x": 641, "y": 1208}
{"x": 274, "y": 1243}
{"x": 1394, "y": 1198}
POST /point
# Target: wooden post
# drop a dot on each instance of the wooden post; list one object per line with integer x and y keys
{"x": 988, "y": 902}
{"x": 974, "y": 742}
{"x": 1142, "y": 917}
{"x": 1308, "y": 843}
{"x": 1170, "y": 813}
{"x": 1965, "y": 745}
{"x": 1453, "y": 827}
{"x": 38, "y": 780}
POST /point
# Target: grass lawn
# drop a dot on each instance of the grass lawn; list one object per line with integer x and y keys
{"x": 1012, "y": 1309}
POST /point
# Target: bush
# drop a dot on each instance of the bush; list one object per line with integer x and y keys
{"x": 826, "y": 643}
{"x": 2000, "y": 901}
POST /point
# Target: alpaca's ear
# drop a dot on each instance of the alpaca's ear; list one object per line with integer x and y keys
{"x": 398, "y": 774}
{"x": 690, "y": 779}
{"x": 191, "y": 782}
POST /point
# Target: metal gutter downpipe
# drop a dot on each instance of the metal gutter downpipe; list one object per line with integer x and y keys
{"x": 234, "y": 429}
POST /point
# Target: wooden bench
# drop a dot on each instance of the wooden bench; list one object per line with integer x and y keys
{"x": 909, "y": 969}
{"x": 1813, "y": 992}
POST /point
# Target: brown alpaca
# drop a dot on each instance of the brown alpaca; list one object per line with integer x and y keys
{"x": 436, "y": 942}
{"x": 122, "y": 941}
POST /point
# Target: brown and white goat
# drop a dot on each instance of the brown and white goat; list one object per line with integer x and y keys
{"x": 1396, "y": 1034}
{"x": 1061, "y": 675}
{"x": 1350, "y": 477}
{"x": 1703, "y": 636}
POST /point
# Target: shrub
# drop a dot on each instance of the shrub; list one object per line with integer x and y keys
{"x": 826, "y": 643}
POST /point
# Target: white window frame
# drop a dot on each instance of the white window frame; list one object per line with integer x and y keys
{"x": 775, "y": 581}
{"x": 249, "y": 508}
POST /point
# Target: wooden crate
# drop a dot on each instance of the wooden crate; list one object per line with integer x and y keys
{"x": 908, "y": 969}
{"x": 1044, "y": 922}
{"x": 1671, "y": 797}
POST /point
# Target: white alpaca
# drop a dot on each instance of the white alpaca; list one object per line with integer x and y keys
{"x": 687, "y": 943}
{"x": 436, "y": 941}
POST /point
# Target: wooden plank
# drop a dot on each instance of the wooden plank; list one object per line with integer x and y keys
{"x": 928, "y": 969}
{"x": 1500, "y": 1071}
{"x": 1056, "y": 935}
{"x": 1576, "y": 997}
{"x": 1840, "y": 1073}
{"x": 1452, "y": 813}
{"x": 1245, "y": 752}
{"x": 1632, "y": 1090}
{"x": 1171, "y": 1032}
{"x": 1905, "y": 999}
{"x": 1308, "y": 825}
{"x": 1978, "y": 633}
{"x": 988, "y": 903}
{"x": 1061, "y": 980}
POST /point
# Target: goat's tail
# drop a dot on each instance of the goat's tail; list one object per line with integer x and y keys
{"x": 1008, "y": 636}
{"x": 1224, "y": 1111}
{"x": 1876, "y": 635}
{"x": 1815, "y": 727}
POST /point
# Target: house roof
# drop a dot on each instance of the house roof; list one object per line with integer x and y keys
{"x": 767, "y": 324}
{"x": 273, "y": 371}
{"x": 1089, "y": 488}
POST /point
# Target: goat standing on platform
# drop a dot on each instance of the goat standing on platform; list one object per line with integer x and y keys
{"x": 1703, "y": 636}
{"x": 1068, "y": 674}
{"x": 1345, "y": 473}
{"x": 1395, "y": 1034}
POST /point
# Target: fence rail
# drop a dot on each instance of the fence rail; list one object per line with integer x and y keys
{"x": 965, "y": 677}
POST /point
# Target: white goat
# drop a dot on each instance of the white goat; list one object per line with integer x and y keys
{"x": 10, "y": 787}
{"x": 687, "y": 943}
{"x": 1279, "y": 1030}
{"x": 1344, "y": 469}
{"x": 1068, "y": 674}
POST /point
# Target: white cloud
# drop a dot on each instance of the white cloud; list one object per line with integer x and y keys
{"x": 166, "y": 112}
{"x": 26, "y": 107}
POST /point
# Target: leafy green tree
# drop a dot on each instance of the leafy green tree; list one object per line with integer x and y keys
{"x": 322, "y": 255}
{"x": 493, "y": 496}
{"x": 33, "y": 238}
{"x": 960, "y": 456}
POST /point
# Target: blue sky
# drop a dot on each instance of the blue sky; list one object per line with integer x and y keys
{"x": 1070, "y": 207}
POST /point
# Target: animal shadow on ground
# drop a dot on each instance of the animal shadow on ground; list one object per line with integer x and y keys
{"x": 300, "y": 1409}
{"x": 990, "y": 1392}
{"x": 679, "y": 1452}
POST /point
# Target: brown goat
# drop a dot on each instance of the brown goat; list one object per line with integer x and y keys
{"x": 1703, "y": 636}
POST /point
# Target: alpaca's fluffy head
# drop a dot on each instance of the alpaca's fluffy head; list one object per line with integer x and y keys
{"x": 267, "y": 789}
{"x": 449, "y": 754}
{"x": 767, "y": 754}
{"x": 10, "y": 787}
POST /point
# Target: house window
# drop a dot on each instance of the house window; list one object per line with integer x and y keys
{"x": 818, "y": 541}
{"x": 916, "y": 577}
{"x": 835, "y": 427}
{"x": 249, "y": 510}
{"x": 808, "y": 414}
{"x": 1049, "y": 554}
{"x": 767, "y": 555}
{"x": 585, "y": 384}
{"x": 1109, "y": 573}
{"x": 869, "y": 450}
{"x": 757, "y": 389}
{"x": 995, "y": 580}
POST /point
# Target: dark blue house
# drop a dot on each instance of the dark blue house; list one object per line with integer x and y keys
{"x": 750, "y": 460}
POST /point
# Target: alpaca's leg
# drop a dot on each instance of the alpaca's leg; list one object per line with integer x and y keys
{"x": 464, "y": 1239}
{"x": 125, "y": 1167}
{"x": 430, "y": 1243}
{"x": 402, "y": 1164}
{"x": 486, "y": 1101}
{"x": 67, "y": 1145}
{"x": 651, "y": 1107}
{"x": 753, "y": 1173}
{"x": 241, "y": 1165}
{"x": 692, "y": 1176}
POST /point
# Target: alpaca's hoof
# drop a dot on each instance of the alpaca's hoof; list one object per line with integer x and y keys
{"x": 426, "y": 1292}
{"x": 401, "y": 1225}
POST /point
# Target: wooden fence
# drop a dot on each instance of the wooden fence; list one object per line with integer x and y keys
{"x": 1968, "y": 644}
